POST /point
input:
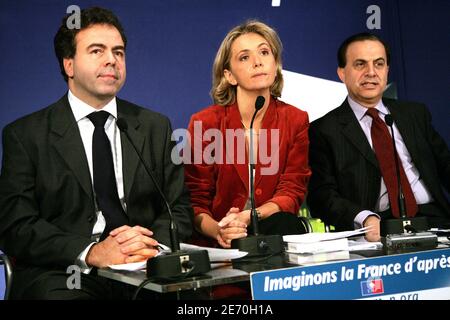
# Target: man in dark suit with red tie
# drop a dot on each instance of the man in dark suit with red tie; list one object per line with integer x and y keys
{"x": 73, "y": 191}
{"x": 354, "y": 175}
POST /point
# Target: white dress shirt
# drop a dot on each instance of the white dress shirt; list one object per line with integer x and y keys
{"x": 418, "y": 187}
{"x": 80, "y": 111}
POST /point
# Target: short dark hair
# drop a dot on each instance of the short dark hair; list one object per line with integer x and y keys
{"x": 64, "y": 41}
{"x": 342, "y": 51}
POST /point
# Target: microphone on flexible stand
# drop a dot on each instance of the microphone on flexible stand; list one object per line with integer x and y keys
{"x": 177, "y": 263}
{"x": 402, "y": 234}
{"x": 256, "y": 244}
{"x": 259, "y": 103}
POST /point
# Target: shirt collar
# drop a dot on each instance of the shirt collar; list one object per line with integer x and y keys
{"x": 81, "y": 109}
{"x": 360, "y": 111}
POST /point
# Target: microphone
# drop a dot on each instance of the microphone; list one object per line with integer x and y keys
{"x": 177, "y": 262}
{"x": 259, "y": 103}
{"x": 256, "y": 244}
{"x": 403, "y": 225}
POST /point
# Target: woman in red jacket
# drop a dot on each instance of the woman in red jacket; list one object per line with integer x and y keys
{"x": 247, "y": 65}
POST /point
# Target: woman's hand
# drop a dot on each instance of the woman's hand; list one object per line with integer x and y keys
{"x": 231, "y": 227}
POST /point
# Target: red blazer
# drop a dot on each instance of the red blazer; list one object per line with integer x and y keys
{"x": 215, "y": 188}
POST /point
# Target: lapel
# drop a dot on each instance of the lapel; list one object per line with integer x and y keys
{"x": 406, "y": 129}
{"x": 130, "y": 160}
{"x": 68, "y": 143}
{"x": 233, "y": 121}
{"x": 353, "y": 132}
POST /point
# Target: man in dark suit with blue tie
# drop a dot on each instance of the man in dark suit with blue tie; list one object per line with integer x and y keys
{"x": 354, "y": 177}
{"x": 72, "y": 188}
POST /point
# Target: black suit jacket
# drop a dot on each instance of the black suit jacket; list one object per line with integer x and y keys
{"x": 345, "y": 174}
{"x": 47, "y": 209}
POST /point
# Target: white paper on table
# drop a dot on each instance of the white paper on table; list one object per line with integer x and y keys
{"x": 315, "y": 237}
{"x": 318, "y": 246}
{"x": 215, "y": 255}
{"x": 439, "y": 230}
{"x": 129, "y": 266}
{"x": 356, "y": 245}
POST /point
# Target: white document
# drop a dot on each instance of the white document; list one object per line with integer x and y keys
{"x": 215, "y": 255}
{"x": 318, "y": 247}
{"x": 439, "y": 230}
{"x": 356, "y": 245}
{"x": 315, "y": 237}
{"x": 129, "y": 266}
{"x": 313, "y": 258}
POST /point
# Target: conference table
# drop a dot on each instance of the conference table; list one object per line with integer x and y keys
{"x": 258, "y": 270}
{"x": 220, "y": 274}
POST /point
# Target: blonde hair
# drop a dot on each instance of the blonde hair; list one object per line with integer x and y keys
{"x": 222, "y": 92}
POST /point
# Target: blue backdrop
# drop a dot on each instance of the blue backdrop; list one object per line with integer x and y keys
{"x": 172, "y": 44}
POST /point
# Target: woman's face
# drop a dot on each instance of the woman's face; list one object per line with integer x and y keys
{"x": 252, "y": 63}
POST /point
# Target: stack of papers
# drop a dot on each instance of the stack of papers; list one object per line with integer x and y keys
{"x": 312, "y": 258}
{"x": 319, "y": 247}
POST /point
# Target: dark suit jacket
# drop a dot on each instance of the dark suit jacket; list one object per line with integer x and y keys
{"x": 345, "y": 174}
{"x": 47, "y": 210}
{"x": 215, "y": 188}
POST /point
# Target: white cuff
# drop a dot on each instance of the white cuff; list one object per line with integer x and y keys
{"x": 81, "y": 259}
{"x": 362, "y": 216}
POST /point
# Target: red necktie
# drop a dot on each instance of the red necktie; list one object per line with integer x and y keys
{"x": 384, "y": 151}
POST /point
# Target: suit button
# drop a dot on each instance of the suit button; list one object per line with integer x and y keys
{"x": 91, "y": 218}
{"x": 258, "y": 191}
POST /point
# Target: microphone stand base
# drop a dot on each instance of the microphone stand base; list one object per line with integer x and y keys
{"x": 409, "y": 242}
{"x": 179, "y": 264}
{"x": 259, "y": 245}
{"x": 403, "y": 225}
